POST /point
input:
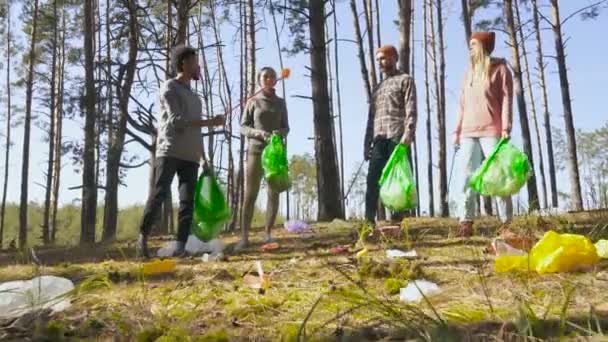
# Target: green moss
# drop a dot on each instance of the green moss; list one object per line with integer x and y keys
{"x": 392, "y": 285}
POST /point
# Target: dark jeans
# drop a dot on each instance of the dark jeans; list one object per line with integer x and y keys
{"x": 165, "y": 170}
{"x": 381, "y": 152}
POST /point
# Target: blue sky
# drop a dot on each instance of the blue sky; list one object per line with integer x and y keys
{"x": 587, "y": 72}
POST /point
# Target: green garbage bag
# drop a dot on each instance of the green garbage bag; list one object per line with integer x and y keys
{"x": 503, "y": 173}
{"x": 397, "y": 186}
{"x": 274, "y": 163}
{"x": 211, "y": 211}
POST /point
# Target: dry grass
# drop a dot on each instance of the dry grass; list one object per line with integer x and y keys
{"x": 319, "y": 296}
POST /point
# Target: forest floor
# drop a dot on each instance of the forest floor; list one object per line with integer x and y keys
{"x": 315, "y": 295}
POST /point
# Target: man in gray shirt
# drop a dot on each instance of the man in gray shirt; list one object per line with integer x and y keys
{"x": 179, "y": 147}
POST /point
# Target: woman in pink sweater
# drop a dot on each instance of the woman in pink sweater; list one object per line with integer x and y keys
{"x": 484, "y": 117}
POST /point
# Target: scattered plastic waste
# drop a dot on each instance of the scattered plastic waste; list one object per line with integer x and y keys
{"x": 194, "y": 246}
{"x": 262, "y": 281}
{"x": 503, "y": 173}
{"x": 501, "y": 248}
{"x": 22, "y": 296}
{"x": 415, "y": 290}
{"x": 517, "y": 241}
{"x": 602, "y": 248}
{"x": 339, "y": 249}
{"x": 395, "y": 253}
{"x": 296, "y": 226}
{"x": 159, "y": 266}
{"x": 553, "y": 253}
{"x": 397, "y": 187}
{"x": 270, "y": 247}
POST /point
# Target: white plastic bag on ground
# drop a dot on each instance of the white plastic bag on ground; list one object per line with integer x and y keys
{"x": 501, "y": 248}
{"x": 415, "y": 289}
{"x": 21, "y": 296}
{"x": 396, "y": 253}
{"x": 167, "y": 250}
{"x": 194, "y": 246}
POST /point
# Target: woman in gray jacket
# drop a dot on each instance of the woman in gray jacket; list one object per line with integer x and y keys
{"x": 265, "y": 114}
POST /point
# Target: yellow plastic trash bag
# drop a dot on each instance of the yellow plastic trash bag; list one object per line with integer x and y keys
{"x": 602, "y": 249}
{"x": 510, "y": 263}
{"x": 158, "y": 266}
{"x": 553, "y": 253}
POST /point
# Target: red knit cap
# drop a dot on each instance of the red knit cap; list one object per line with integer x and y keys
{"x": 388, "y": 50}
{"x": 487, "y": 39}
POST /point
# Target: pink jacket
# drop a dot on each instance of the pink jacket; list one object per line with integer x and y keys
{"x": 486, "y": 109}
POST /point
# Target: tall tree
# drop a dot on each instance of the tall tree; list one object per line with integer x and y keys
{"x": 328, "y": 180}
{"x": 361, "y": 51}
{"x": 339, "y": 94}
{"x": 46, "y": 238}
{"x": 89, "y": 188}
{"x": 8, "y": 53}
{"x": 442, "y": 160}
{"x": 541, "y": 163}
{"x": 466, "y": 19}
{"x": 25, "y": 158}
{"x": 429, "y": 141}
{"x": 546, "y": 115}
{"x": 123, "y": 90}
{"x": 575, "y": 184}
{"x": 58, "y": 125}
{"x": 405, "y": 24}
{"x": 521, "y": 102}
{"x": 367, "y": 10}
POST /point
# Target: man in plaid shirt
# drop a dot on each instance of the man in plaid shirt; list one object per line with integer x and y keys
{"x": 392, "y": 120}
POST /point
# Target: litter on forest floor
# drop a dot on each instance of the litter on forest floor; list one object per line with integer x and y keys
{"x": 194, "y": 246}
{"x": 602, "y": 248}
{"x": 396, "y": 253}
{"x": 262, "y": 281}
{"x": 22, "y": 296}
{"x": 500, "y": 247}
{"x": 418, "y": 289}
{"x": 269, "y": 247}
{"x": 339, "y": 249}
{"x": 159, "y": 266}
{"x": 553, "y": 253}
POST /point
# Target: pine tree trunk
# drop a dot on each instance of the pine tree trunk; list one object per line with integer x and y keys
{"x": 541, "y": 163}
{"x": 328, "y": 179}
{"x": 466, "y": 19}
{"x": 575, "y": 184}
{"x": 183, "y": 8}
{"x": 25, "y": 159}
{"x": 415, "y": 143}
{"x": 236, "y": 203}
{"x": 8, "y": 121}
{"x": 367, "y": 10}
{"x": 440, "y": 93}
{"x": 227, "y": 104}
{"x": 252, "y": 51}
{"x": 361, "y": 53}
{"x": 547, "y": 117}
{"x": 49, "y": 171}
{"x": 405, "y": 24}
{"x": 339, "y": 100}
{"x": 117, "y": 146}
{"x": 521, "y": 103}
{"x": 59, "y": 129}
{"x": 429, "y": 139}
{"x": 89, "y": 188}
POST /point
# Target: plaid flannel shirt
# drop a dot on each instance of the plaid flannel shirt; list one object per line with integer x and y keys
{"x": 392, "y": 113}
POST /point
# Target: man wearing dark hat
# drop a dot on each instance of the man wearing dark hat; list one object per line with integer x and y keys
{"x": 179, "y": 148}
{"x": 392, "y": 120}
{"x": 484, "y": 117}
